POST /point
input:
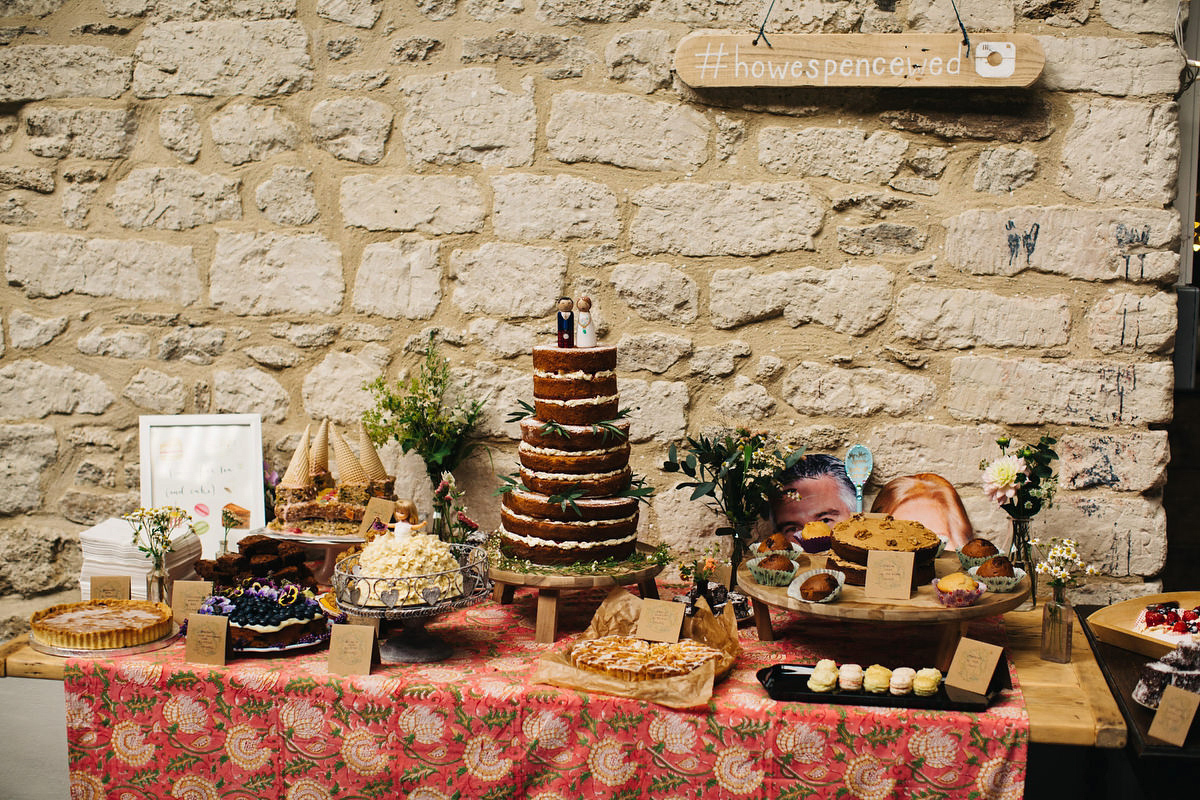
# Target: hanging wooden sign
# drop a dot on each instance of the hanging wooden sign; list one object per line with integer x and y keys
{"x": 859, "y": 59}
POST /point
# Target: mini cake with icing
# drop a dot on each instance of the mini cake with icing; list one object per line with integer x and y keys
{"x": 1180, "y": 667}
{"x": 958, "y": 590}
{"x": 574, "y": 446}
{"x": 406, "y": 563}
{"x": 101, "y": 624}
{"x": 269, "y": 614}
{"x": 636, "y": 659}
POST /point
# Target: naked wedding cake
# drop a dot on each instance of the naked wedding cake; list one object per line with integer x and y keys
{"x": 574, "y": 455}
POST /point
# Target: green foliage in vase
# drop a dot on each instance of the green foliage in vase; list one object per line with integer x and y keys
{"x": 423, "y": 418}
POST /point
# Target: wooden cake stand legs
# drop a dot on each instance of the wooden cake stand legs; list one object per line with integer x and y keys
{"x": 546, "y": 627}
{"x": 762, "y": 620}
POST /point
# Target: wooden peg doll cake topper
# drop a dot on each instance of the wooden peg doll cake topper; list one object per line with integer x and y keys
{"x": 566, "y": 322}
{"x": 586, "y": 336}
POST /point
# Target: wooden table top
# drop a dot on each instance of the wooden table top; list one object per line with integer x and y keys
{"x": 1067, "y": 703}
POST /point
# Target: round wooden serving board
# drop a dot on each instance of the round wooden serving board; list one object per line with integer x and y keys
{"x": 922, "y": 607}
{"x": 555, "y": 580}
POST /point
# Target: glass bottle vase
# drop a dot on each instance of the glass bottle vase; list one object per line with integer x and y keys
{"x": 158, "y": 584}
{"x": 1020, "y": 553}
{"x": 1057, "y": 623}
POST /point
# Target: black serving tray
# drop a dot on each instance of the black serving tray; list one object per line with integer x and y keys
{"x": 789, "y": 682}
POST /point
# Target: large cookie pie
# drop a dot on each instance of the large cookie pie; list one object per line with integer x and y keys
{"x": 101, "y": 624}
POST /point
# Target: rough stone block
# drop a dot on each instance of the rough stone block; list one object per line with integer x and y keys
{"x": 437, "y": 9}
{"x": 1004, "y": 169}
{"x": 80, "y": 132}
{"x": 359, "y": 13}
{"x": 50, "y": 265}
{"x": 29, "y": 8}
{"x": 640, "y": 59}
{"x": 156, "y": 391}
{"x": 657, "y": 409}
{"x": 286, "y": 198}
{"x": 882, "y": 238}
{"x": 713, "y": 219}
{"x": 686, "y": 527}
{"x": 271, "y": 273}
{"x": 657, "y": 291}
{"x": 360, "y": 80}
{"x": 939, "y": 16}
{"x": 502, "y": 339}
{"x": 26, "y": 452}
{"x": 1031, "y": 392}
{"x": 962, "y": 318}
{"x": 921, "y": 186}
{"x": 400, "y": 279}
{"x": 174, "y": 199}
{"x": 415, "y": 49}
{"x": 91, "y": 508}
{"x": 252, "y": 133}
{"x": 571, "y": 12}
{"x": 249, "y": 391}
{"x": 222, "y": 58}
{"x": 179, "y": 132}
{"x": 468, "y": 117}
{"x": 1123, "y": 462}
{"x": 813, "y": 388}
{"x": 34, "y": 179}
{"x": 274, "y": 356}
{"x": 928, "y": 162}
{"x": 161, "y": 10}
{"x": 352, "y": 128}
{"x": 849, "y": 300}
{"x": 99, "y": 470}
{"x": 1121, "y": 535}
{"x": 32, "y": 390}
{"x": 1107, "y": 593}
{"x": 1138, "y": 16}
{"x": 655, "y": 352}
{"x": 41, "y": 72}
{"x": 769, "y": 368}
{"x": 38, "y": 558}
{"x": 1085, "y": 244}
{"x": 846, "y": 154}
{"x": 508, "y": 280}
{"x": 527, "y": 207}
{"x": 193, "y": 345}
{"x": 1131, "y": 323}
{"x": 626, "y": 131}
{"x": 433, "y": 204}
{"x": 118, "y": 344}
{"x": 504, "y": 386}
{"x": 26, "y": 331}
{"x": 1122, "y": 151}
{"x": 747, "y": 400}
{"x": 1118, "y": 67}
{"x": 334, "y": 388}
{"x": 952, "y": 451}
{"x": 302, "y": 334}
{"x": 565, "y": 53}
{"x": 718, "y": 360}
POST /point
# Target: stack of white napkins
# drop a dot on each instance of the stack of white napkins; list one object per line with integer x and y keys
{"x": 108, "y": 549}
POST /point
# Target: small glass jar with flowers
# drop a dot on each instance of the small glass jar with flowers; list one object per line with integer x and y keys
{"x": 1022, "y": 481}
{"x": 1061, "y": 569}
{"x": 152, "y": 532}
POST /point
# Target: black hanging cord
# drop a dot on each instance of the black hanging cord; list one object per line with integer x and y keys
{"x": 966, "y": 39}
{"x": 762, "y": 34}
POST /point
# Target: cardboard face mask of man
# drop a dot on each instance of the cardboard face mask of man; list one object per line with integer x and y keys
{"x": 817, "y": 489}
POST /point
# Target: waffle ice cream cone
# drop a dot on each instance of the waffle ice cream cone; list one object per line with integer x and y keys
{"x": 297, "y": 475}
{"x": 350, "y": 471}
{"x": 368, "y": 456}
{"x": 318, "y": 459}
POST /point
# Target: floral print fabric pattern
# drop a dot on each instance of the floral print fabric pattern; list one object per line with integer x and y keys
{"x": 152, "y": 725}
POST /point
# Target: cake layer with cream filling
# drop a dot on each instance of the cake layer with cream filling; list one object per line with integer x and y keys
{"x": 578, "y": 462}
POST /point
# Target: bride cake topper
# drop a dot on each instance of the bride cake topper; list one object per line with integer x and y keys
{"x": 586, "y": 335}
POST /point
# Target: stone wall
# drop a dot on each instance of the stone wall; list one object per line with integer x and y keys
{"x": 258, "y": 205}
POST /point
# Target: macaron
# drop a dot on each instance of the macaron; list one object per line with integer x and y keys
{"x": 902, "y": 680}
{"x": 926, "y": 683}
{"x": 877, "y": 679}
{"x": 824, "y": 676}
{"x": 850, "y": 677}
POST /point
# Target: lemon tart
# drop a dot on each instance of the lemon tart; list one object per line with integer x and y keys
{"x": 101, "y": 624}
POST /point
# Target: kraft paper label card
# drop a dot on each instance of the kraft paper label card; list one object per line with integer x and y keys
{"x": 110, "y": 587}
{"x": 370, "y": 622}
{"x": 351, "y": 648}
{"x": 660, "y": 620}
{"x": 378, "y": 512}
{"x": 722, "y": 574}
{"x": 187, "y": 596}
{"x": 889, "y": 575}
{"x": 973, "y": 665}
{"x": 206, "y": 638}
{"x": 1174, "y": 717}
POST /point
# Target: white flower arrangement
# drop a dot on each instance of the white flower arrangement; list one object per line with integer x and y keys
{"x": 1062, "y": 565}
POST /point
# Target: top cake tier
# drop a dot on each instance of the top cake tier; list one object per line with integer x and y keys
{"x": 575, "y": 386}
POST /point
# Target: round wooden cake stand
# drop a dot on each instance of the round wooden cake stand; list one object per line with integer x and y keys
{"x": 550, "y": 586}
{"x": 922, "y": 608}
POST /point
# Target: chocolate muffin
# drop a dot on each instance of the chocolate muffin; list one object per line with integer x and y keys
{"x": 777, "y": 561}
{"x": 996, "y": 567}
{"x": 776, "y": 541}
{"x": 979, "y": 548}
{"x": 817, "y": 587}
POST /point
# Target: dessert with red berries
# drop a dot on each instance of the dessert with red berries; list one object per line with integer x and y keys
{"x": 1169, "y": 621}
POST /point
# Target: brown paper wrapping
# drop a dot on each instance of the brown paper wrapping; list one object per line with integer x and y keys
{"x": 618, "y": 614}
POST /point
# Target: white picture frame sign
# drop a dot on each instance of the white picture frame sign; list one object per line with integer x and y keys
{"x": 201, "y": 462}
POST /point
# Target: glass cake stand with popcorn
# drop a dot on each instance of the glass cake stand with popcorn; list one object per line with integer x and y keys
{"x": 410, "y": 578}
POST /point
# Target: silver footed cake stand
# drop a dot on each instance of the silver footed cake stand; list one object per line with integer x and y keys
{"x": 412, "y": 601}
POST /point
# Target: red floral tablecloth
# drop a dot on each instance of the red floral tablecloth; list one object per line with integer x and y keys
{"x": 152, "y": 726}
